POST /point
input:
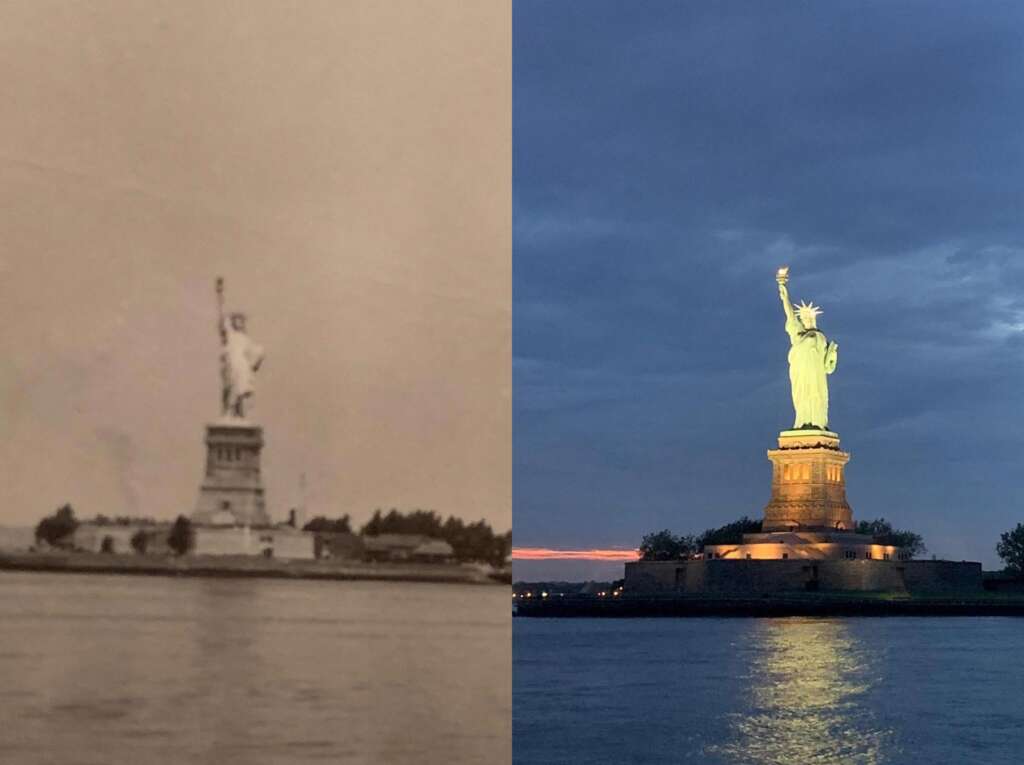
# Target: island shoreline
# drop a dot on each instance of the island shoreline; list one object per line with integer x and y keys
{"x": 240, "y": 567}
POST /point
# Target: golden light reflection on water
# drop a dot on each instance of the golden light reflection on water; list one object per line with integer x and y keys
{"x": 808, "y": 682}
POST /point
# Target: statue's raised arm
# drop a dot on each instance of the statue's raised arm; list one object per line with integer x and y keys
{"x": 811, "y": 359}
{"x": 222, "y": 327}
{"x": 793, "y": 325}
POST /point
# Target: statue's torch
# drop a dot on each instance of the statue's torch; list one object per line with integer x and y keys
{"x": 219, "y": 286}
{"x": 782, "y": 275}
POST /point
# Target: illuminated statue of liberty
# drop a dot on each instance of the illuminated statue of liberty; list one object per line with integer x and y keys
{"x": 811, "y": 358}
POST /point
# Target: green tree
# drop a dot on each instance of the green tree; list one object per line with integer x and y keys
{"x": 664, "y": 545}
{"x": 182, "y": 536}
{"x": 1011, "y": 549}
{"x": 56, "y": 529}
{"x": 730, "y": 533}
{"x": 885, "y": 534}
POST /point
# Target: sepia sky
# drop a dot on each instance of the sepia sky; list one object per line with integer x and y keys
{"x": 668, "y": 158}
{"x": 344, "y": 166}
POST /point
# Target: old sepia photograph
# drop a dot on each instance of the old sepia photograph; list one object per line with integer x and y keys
{"x": 255, "y": 382}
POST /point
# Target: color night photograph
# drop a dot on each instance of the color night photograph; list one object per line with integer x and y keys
{"x": 768, "y": 365}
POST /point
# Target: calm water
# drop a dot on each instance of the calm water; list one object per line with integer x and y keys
{"x": 97, "y": 669}
{"x": 769, "y": 691}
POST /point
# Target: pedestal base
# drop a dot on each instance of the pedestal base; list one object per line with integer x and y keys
{"x": 808, "y": 483}
{"x": 232, "y": 490}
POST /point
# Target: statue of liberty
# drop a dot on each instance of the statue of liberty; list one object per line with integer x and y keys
{"x": 811, "y": 358}
{"x": 240, "y": 358}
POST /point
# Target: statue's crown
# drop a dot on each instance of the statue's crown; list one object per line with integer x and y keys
{"x": 808, "y": 311}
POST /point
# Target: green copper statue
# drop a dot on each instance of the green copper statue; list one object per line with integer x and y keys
{"x": 811, "y": 358}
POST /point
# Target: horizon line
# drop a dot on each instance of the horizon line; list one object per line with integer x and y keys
{"x": 546, "y": 553}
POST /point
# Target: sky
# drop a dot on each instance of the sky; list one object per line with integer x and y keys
{"x": 344, "y": 168}
{"x": 667, "y": 158}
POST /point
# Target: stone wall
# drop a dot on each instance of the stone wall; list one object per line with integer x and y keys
{"x": 286, "y": 544}
{"x": 652, "y": 577}
{"x": 90, "y": 536}
{"x": 744, "y": 578}
{"x": 861, "y": 576}
{"x": 16, "y": 538}
{"x": 942, "y": 576}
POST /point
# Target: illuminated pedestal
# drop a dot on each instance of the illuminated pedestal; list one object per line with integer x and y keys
{"x": 807, "y": 516}
{"x": 807, "y": 542}
{"x": 232, "y": 490}
{"x": 808, "y": 483}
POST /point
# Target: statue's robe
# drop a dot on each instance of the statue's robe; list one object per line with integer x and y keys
{"x": 239, "y": 359}
{"x": 811, "y": 359}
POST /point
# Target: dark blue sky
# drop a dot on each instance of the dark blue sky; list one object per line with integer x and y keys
{"x": 667, "y": 158}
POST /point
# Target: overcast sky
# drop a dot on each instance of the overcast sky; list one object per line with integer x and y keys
{"x": 344, "y": 167}
{"x": 668, "y": 157}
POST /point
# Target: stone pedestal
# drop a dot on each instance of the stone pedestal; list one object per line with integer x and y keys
{"x": 808, "y": 483}
{"x": 232, "y": 489}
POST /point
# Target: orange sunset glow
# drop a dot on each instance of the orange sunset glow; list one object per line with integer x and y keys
{"x": 543, "y": 553}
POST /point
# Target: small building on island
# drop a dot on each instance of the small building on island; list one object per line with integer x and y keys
{"x": 412, "y": 548}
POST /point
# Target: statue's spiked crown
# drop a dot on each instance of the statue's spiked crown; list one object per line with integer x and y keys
{"x": 808, "y": 311}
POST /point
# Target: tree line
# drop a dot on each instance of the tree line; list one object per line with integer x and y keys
{"x": 470, "y": 541}
{"x": 57, "y": 530}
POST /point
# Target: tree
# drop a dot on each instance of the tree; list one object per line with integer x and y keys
{"x": 730, "y": 533}
{"x": 182, "y": 537}
{"x": 107, "y": 545}
{"x": 423, "y": 522}
{"x": 885, "y": 534}
{"x": 140, "y": 541}
{"x": 57, "y": 528}
{"x": 1011, "y": 549}
{"x": 664, "y": 545}
{"x": 470, "y": 541}
{"x": 340, "y": 525}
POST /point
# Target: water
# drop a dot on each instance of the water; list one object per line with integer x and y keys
{"x": 793, "y": 691}
{"x": 108, "y": 669}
